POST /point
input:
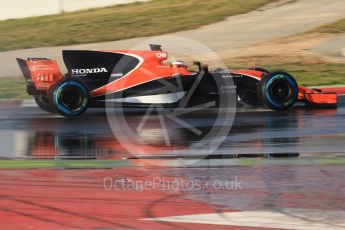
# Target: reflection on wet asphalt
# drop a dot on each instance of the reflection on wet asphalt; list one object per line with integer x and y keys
{"x": 30, "y": 133}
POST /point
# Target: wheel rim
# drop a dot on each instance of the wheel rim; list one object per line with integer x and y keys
{"x": 281, "y": 90}
{"x": 71, "y": 98}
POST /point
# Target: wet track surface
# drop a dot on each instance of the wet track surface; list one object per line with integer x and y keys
{"x": 29, "y": 133}
{"x": 280, "y": 170}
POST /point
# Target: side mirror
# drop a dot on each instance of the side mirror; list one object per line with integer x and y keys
{"x": 155, "y": 47}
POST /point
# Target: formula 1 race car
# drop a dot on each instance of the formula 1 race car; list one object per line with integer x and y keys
{"x": 132, "y": 78}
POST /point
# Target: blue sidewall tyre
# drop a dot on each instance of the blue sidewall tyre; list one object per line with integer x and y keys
{"x": 265, "y": 92}
{"x": 61, "y": 107}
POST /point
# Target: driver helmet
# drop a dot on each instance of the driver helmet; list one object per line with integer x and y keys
{"x": 179, "y": 64}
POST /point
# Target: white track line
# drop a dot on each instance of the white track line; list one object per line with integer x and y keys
{"x": 299, "y": 219}
{"x": 28, "y": 103}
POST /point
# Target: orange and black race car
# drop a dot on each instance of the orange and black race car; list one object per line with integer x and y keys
{"x": 137, "y": 78}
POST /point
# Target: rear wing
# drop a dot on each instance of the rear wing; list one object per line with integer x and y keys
{"x": 40, "y": 74}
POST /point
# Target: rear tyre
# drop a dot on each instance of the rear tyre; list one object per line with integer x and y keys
{"x": 278, "y": 91}
{"x": 44, "y": 103}
{"x": 69, "y": 98}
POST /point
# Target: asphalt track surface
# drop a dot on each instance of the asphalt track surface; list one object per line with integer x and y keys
{"x": 280, "y": 19}
{"x": 275, "y": 170}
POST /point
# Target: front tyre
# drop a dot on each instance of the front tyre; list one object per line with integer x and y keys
{"x": 278, "y": 91}
{"x": 69, "y": 98}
